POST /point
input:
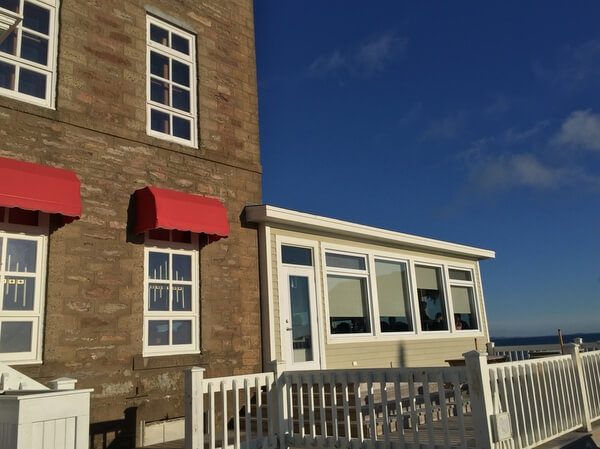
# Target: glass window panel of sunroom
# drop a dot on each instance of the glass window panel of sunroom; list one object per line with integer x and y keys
{"x": 464, "y": 307}
{"x": 181, "y": 73}
{"x": 159, "y": 65}
{"x": 159, "y": 121}
{"x": 15, "y": 336}
{"x": 431, "y": 299}
{"x": 18, "y": 293}
{"x": 181, "y": 128}
{"x": 9, "y": 45}
{"x": 36, "y": 18}
{"x": 182, "y": 332}
{"x": 158, "y": 297}
{"x": 347, "y": 304}
{"x": 345, "y": 261}
{"x": 32, "y": 83}
{"x": 160, "y": 35}
{"x": 295, "y": 255}
{"x": 392, "y": 294}
{"x": 11, "y": 5}
{"x": 158, "y": 332}
{"x": 7, "y": 75}
{"x": 159, "y": 91}
{"x": 181, "y": 44}
{"x": 34, "y": 48}
{"x": 21, "y": 255}
{"x": 460, "y": 275}
{"x": 182, "y": 298}
{"x": 181, "y": 99}
{"x": 182, "y": 267}
{"x": 158, "y": 265}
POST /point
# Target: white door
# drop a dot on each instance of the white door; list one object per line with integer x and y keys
{"x": 299, "y": 319}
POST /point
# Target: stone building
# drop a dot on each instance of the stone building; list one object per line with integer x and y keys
{"x": 157, "y": 97}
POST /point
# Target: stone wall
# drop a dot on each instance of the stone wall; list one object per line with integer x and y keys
{"x": 94, "y": 296}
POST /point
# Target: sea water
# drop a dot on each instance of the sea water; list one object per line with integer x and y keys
{"x": 544, "y": 340}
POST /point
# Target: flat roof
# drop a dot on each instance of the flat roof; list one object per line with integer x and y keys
{"x": 271, "y": 215}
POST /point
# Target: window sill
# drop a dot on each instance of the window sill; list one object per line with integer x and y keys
{"x": 146, "y": 362}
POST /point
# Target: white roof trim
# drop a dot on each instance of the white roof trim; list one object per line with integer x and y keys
{"x": 270, "y": 215}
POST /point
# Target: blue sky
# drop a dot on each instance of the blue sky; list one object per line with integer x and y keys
{"x": 472, "y": 122}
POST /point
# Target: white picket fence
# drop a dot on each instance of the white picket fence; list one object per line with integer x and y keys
{"x": 525, "y": 352}
{"x": 511, "y": 405}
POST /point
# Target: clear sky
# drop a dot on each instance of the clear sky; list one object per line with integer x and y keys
{"x": 473, "y": 122}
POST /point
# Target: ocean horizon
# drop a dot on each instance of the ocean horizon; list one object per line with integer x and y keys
{"x": 544, "y": 339}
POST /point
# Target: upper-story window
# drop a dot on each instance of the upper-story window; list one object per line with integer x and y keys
{"x": 28, "y": 54}
{"x": 171, "y": 83}
{"x": 23, "y": 237}
{"x": 171, "y": 318}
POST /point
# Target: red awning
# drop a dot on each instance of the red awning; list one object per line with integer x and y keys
{"x": 39, "y": 187}
{"x": 170, "y": 209}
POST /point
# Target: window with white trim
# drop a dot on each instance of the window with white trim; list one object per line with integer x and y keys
{"x": 28, "y": 54}
{"x": 430, "y": 294}
{"x": 171, "y": 83}
{"x": 171, "y": 288}
{"x": 462, "y": 290}
{"x": 347, "y": 292}
{"x": 393, "y": 295}
{"x": 23, "y": 250}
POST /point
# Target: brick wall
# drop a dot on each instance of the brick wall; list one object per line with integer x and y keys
{"x": 94, "y": 305}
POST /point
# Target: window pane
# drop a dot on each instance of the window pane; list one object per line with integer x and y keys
{"x": 32, "y": 83}
{"x": 21, "y": 255}
{"x": 181, "y": 128}
{"x": 181, "y": 99}
{"x": 344, "y": 261}
{"x": 301, "y": 319}
{"x": 181, "y": 73}
{"x": 180, "y": 44}
{"x": 7, "y": 76}
{"x": 18, "y": 293}
{"x": 159, "y": 65}
{"x": 159, "y": 121}
{"x": 182, "y": 332}
{"x": 36, "y": 18}
{"x": 159, "y": 35}
{"x": 15, "y": 336}
{"x": 10, "y": 44}
{"x": 182, "y": 267}
{"x": 431, "y": 299}
{"x": 34, "y": 48}
{"x": 158, "y": 332}
{"x": 158, "y": 297}
{"x": 347, "y": 304}
{"x": 158, "y": 265}
{"x": 464, "y": 308}
{"x": 296, "y": 256}
{"x": 392, "y": 293}
{"x": 182, "y": 297}
{"x": 11, "y": 5}
{"x": 460, "y": 275}
{"x": 159, "y": 91}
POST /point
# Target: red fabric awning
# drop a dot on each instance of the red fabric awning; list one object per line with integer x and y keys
{"x": 170, "y": 209}
{"x": 39, "y": 187}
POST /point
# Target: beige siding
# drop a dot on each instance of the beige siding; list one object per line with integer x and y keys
{"x": 415, "y": 350}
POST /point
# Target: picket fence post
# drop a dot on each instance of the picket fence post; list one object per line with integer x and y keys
{"x": 280, "y": 402}
{"x": 573, "y": 350}
{"x": 478, "y": 377}
{"x": 490, "y": 348}
{"x": 194, "y": 408}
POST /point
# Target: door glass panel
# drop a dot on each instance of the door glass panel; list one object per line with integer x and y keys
{"x": 15, "y": 336}
{"x": 301, "y": 319}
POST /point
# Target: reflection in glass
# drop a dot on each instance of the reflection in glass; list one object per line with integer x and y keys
{"x": 182, "y": 267}
{"x": 18, "y": 293}
{"x": 11, "y": 5}
{"x": 159, "y": 65}
{"x": 181, "y": 73}
{"x": 300, "y": 308}
{"x": 158, "y": 265}
{"x": 159, "y": 35}
{"x": 182, "y": 298}
{"x": 181, "y": 99}
{"x": 36, "y": 18}
{"x": 182, "y": 332}
{"x": 15, "y": 336}
{"x": 9, "y": 45}
{"x": 7, "y": 75}
{"x": 158, "y": 297}
{"x": 180, "y": 44}
{"x": 159, "y": 91}
{"x": 348, "y": 304}
{"x": 432, "y": 304}
{"x": 34, "y": 48}
{"x": 20, "y": 255}
{"x": 159, "y": 121}
{"x": 32, "y": 83}
{"x": 181, "y": 128}
{"x": 158, "y": 332}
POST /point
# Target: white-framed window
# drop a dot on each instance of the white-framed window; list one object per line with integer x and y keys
{"x": 431, "y": 297}
{"x": 28, "y": 54}
{"x": 23, "y": 252}
{"x": 171, "y": 289}
{"x": 171, "y": 83}
{"x": 393, "y": 295}
{"x": 462, "y": 291}
{"x": 347, "y": 293}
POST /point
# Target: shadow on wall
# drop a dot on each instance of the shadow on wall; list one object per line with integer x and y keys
{"x": 116, "y": 434}
{"x": 401, "y": 356}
